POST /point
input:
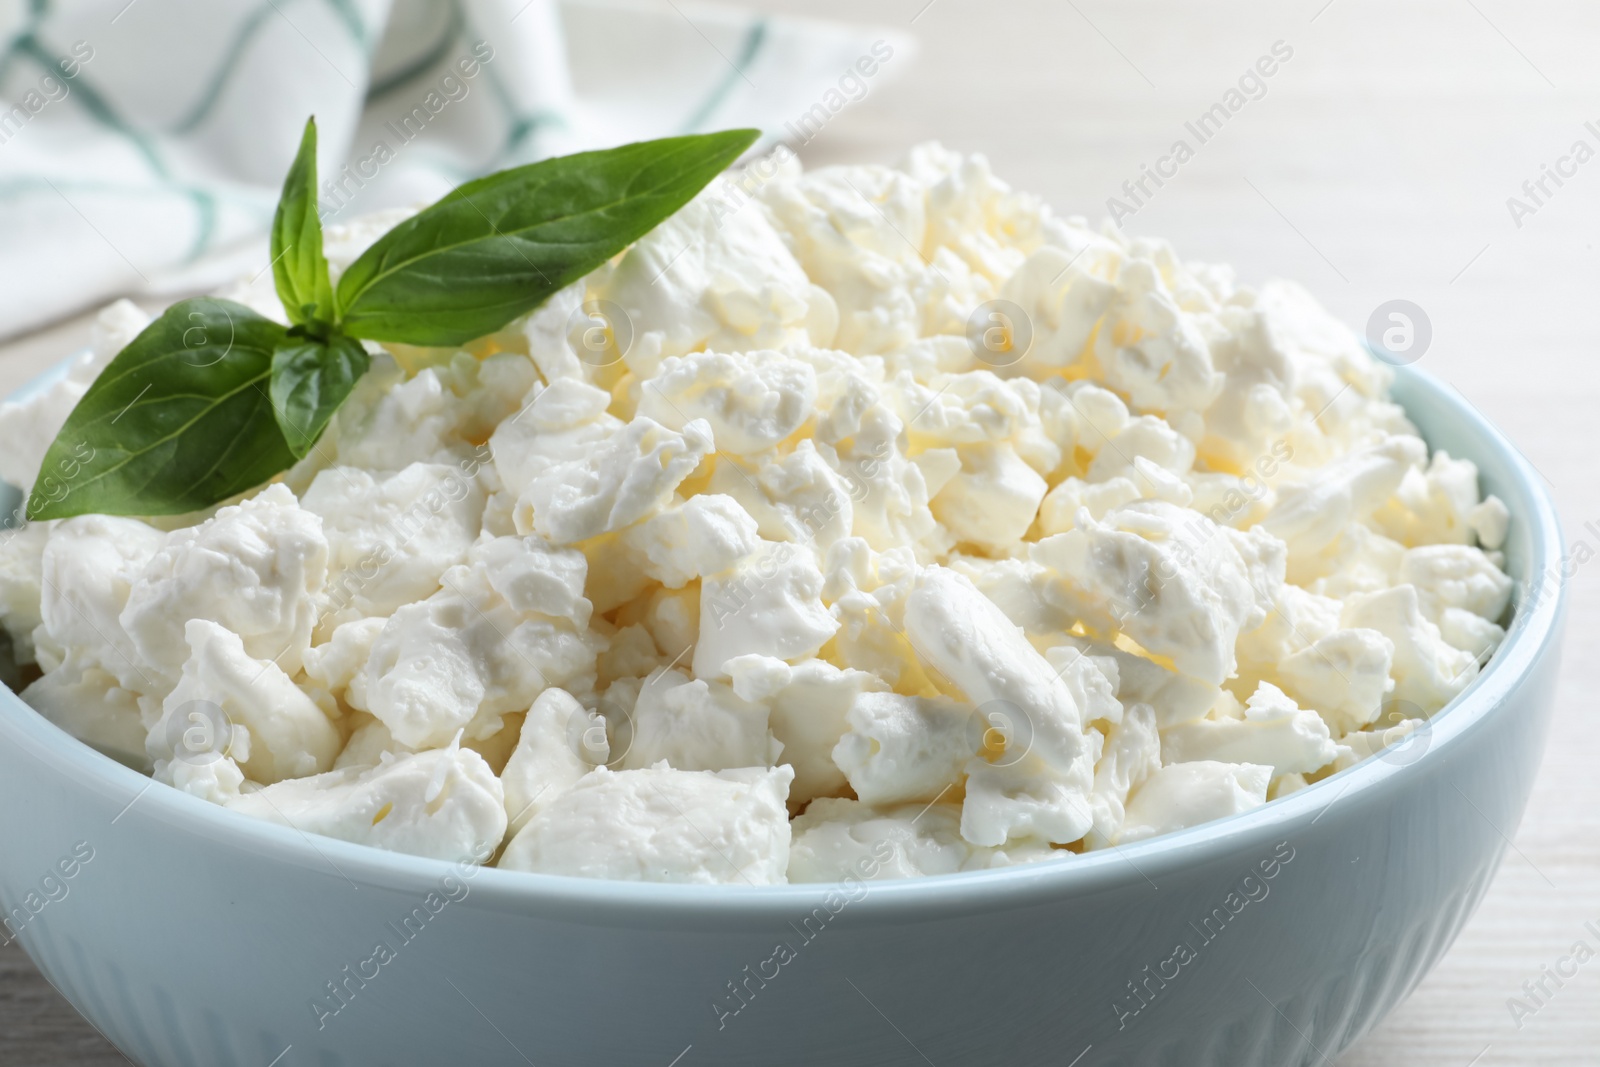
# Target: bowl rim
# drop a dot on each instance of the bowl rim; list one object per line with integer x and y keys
{"x": 1125, "y": 866}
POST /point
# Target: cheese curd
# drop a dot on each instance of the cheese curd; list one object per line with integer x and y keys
{"x": 890, "y": 522}
{"x": 445, "y": 804}
{"x": 87, "y": 571}
{"x": 658, "y": 824}
{"x": 245, "y": 707}
{"x": 391, "y": 536}
{"x": 478, "y": 649}
{"x": 256, "y": 568}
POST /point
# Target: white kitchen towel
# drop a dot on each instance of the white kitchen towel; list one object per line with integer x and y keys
{"x": 143, "y": 142}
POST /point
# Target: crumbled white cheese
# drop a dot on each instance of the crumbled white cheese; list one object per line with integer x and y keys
{"x": 1456, "y": 576}
{"x": 1169, "y": 578}
{"x": 1274, "y": 731}
{"x": 902, "y": 748}
{"x": 256, "y": 568}
{"x": 625, "y": 478}
{"x": 1427, "y": 672}
{"x": 535, "y": 577}
{"x": 796, "y": 498}
{"x": 1490, "y": 521}
{"x": 1181, "y": 795}
{"x": 558, "y": 423}
{"x": 467, "y": 656}
{"x": 1130, "y": 755}
{"x": 21, "y": 585}
{"x": 1034, "y": 777}
{"x": 1309, "y": 514}
{"x": 839, "y": 840}
{"x": 445, "y": 804}
{"x": 767, "y": 604}
{"x": 703, "y": 536}
{"x": 560, "y": 742}
{"x": 336, "y": 665}
{"x": 657, "y": 824}
{"x": 809, "y": 703}
{"x": 222, "y": 690}
{"x": 1433, "y": 504}
{"x": 751, "y": 400}
{"x": 712, "y": 276}
{"x": 89, "y": 568}
{"x": 877, "y": 502}
{"x": 391, "y": 536}
{"x": 695, "y": 725}
{"x": 1344, "y": 675}
{"x": 88, "y": 703}
{"x": 992, "y": 500}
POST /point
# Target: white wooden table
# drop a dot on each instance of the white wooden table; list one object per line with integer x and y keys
{"x": 1377, "y": 165}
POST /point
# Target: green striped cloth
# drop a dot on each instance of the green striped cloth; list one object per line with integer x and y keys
{"x": 142, "y": 142}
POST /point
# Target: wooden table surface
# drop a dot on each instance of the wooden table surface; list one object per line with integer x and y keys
{"x": 1377, "y": 165}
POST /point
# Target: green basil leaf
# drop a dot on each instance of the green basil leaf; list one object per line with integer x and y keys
{"x": 298, "y": 266}
{"x": 310, "y": 379}
{"x": 497, "y": 247}
{"x": 179, "y": 420}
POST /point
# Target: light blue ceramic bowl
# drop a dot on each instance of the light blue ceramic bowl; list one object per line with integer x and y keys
{"x": 198, "y": 937}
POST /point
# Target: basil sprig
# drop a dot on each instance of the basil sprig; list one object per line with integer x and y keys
{"x": 497, "y": 247}
{"x": 178, "y": 421}
{"x": 212, "y": 399}
{"x": 315, "y": 366}
{"x": 299, "y": 268}
{"x": 310, "y": 379}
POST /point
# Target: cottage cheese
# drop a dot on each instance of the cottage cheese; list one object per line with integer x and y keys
{"x": 818, "y": 560}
